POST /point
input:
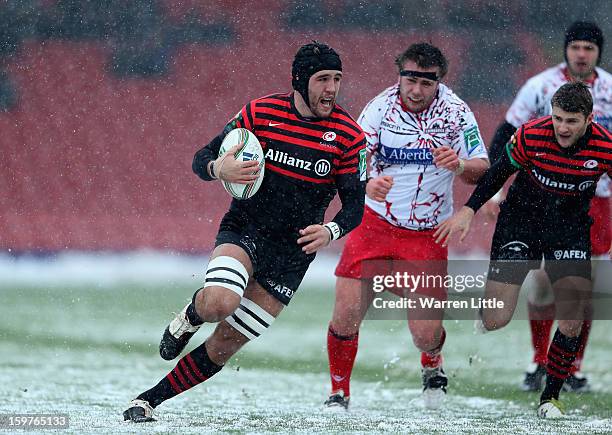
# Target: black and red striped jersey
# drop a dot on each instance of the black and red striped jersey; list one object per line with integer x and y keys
{"x": 553, "y": 183}
{"x": 307, "y": 160}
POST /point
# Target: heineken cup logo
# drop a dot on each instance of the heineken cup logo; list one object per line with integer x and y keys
{"x": 362, "y": 165}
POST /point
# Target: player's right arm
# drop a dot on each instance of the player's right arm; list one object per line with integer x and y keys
{"x": 209, "y": 165}
{"x": 511, "y": 161}
{"x": 526, "y": 106}
{"x": 500, "y": 139}
{"x": 523, "y": 109}
{"x": 502, "y": 136}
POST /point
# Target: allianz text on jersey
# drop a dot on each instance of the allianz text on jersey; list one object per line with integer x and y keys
{"x": 562, "y": 185}
{"x": 405, "y": 156}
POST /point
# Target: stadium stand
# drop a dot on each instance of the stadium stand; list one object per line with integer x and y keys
{"x": 94, "y": 156}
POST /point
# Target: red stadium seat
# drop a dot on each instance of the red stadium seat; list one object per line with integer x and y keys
{"x": 98, "y": 162}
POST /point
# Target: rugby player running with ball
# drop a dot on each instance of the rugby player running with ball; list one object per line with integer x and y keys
{"x": 266, "y": 243}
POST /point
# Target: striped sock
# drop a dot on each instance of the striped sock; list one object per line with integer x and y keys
{"x": 561, "y": 356}
{"x": 193, "y": 369}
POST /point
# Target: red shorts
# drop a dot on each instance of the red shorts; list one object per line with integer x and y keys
{"x": 601, "y": 233}
{"x": 376, "y": 239}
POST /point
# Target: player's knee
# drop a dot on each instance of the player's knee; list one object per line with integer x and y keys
{"x": 249, "y": 319}
{"x": 217, "y": 304}
{"x": 224, "y": 283}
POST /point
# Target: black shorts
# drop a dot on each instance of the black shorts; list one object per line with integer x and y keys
{"x": 518, "y": 246}
{"x": 278, "y": 265}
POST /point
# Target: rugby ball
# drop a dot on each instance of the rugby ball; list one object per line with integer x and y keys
{"x": 250, "y": 149}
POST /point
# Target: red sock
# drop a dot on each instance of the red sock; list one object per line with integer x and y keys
{"x": 433, "y": 358}
{"x": 541, "y": 318}
{"x": 341, "y": 352}
{"x": 584, "y": 337}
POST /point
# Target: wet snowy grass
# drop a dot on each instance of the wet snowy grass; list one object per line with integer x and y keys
{"x": 87, "y": 350}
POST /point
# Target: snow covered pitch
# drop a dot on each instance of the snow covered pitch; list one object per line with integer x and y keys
{"x": 75, "y": 342}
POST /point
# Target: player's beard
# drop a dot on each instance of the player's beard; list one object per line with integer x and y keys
{"x": 322, "y": 107}
{"x": 581, "y": 72}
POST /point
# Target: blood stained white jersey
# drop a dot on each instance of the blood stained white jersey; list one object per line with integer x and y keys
{"x": 533, "y": 101}
{"x": 401, "y": 144}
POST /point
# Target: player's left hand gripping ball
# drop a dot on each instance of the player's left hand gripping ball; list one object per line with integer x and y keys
{"x": 240, "y": 177}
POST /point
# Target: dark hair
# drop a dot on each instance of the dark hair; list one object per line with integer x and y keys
{"x": 310, "y": 59}
{"x": 573, "y": 97}
{"x": 425, "y": 56}
{"x": 585, "y": 31}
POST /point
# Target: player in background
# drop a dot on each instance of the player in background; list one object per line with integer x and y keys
{"x": 583, "y": 49}
{"x": 265, "y": 244}
{"x": 559, "y": 160}
{"x": 420, "y": 135}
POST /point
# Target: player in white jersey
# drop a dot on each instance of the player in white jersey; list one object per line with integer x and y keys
{"x": 419, "y": 136}
{"x": 583, "y": 50}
